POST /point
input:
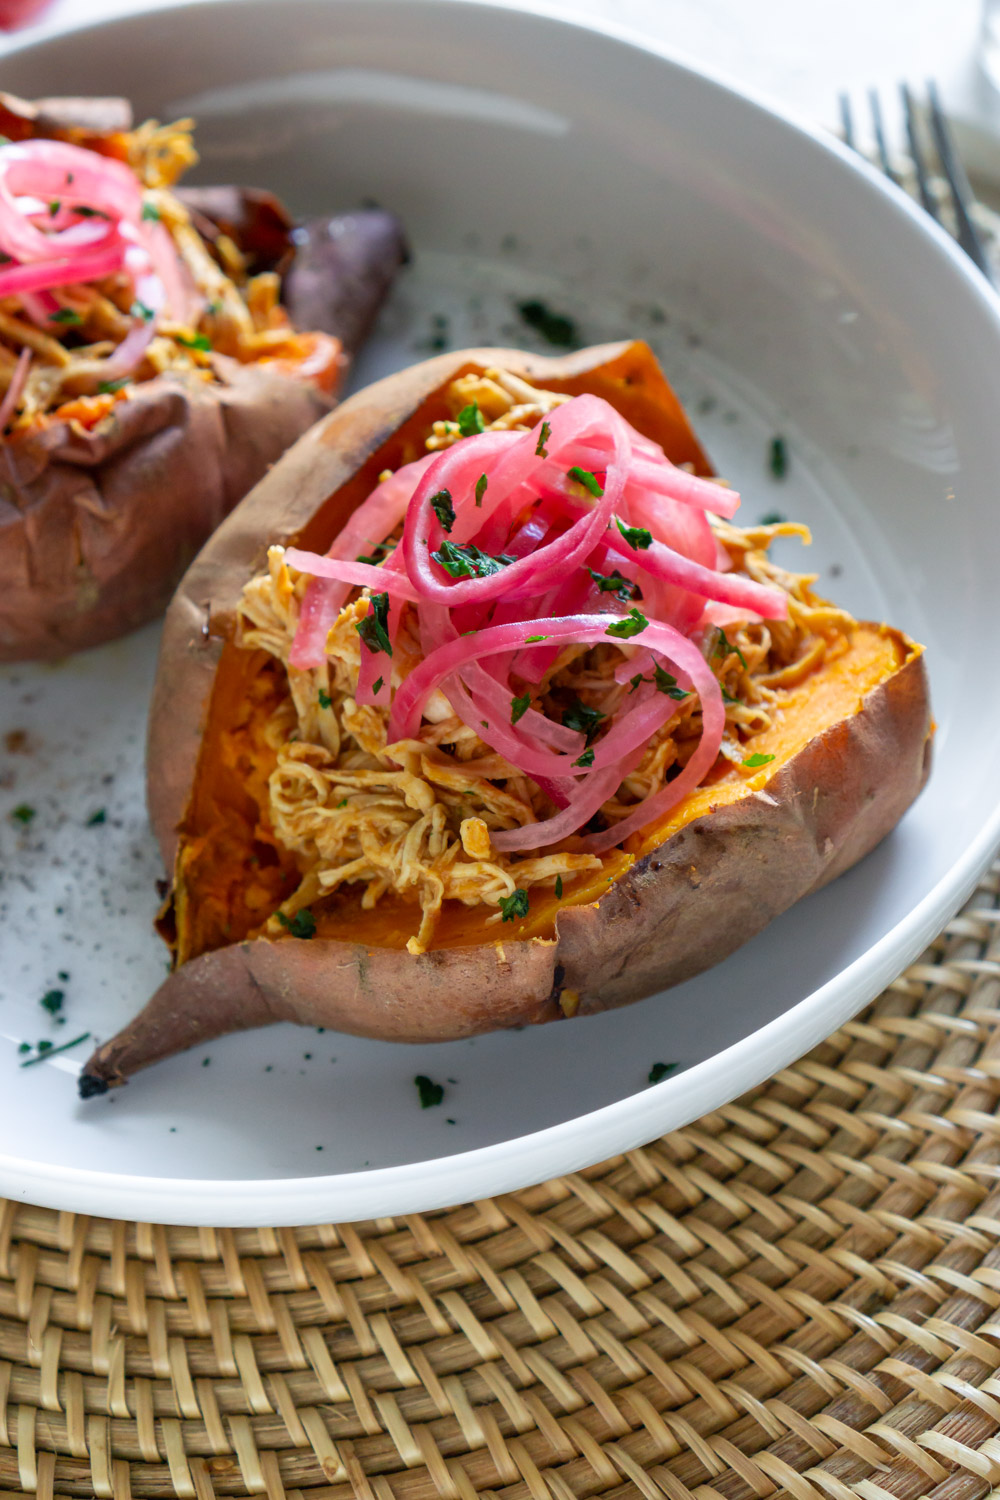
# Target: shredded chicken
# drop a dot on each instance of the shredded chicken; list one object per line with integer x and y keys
{"x": 415, "y": 817}
{"x": 239, "y": 314}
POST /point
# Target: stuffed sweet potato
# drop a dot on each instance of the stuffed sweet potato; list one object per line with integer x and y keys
{"x": 480, "y": 712}
{"x": 154, "y": 360}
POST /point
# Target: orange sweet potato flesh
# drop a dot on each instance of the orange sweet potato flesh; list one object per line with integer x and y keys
{"x": 851, "y": 752}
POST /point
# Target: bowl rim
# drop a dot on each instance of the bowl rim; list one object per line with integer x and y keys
{"x": 522, "y": 1161}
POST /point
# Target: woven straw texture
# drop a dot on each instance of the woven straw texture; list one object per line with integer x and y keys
{"x": 795, "y": 1297}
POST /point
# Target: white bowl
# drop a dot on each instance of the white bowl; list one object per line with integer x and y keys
{"x": 788, "y": 289}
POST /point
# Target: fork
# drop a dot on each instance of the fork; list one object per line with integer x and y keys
{"x": 959, "y": 190}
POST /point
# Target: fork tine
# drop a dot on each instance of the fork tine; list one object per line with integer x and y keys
{"x": 927, "y": 198}
{"x": 847, "y": 121}
{"x": 958, "y": 182}
{"x": 883, "y": 154}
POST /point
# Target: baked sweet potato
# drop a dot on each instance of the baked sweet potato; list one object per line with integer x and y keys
{"x": 820, "y": 778}
{"x": 112, "y": 478}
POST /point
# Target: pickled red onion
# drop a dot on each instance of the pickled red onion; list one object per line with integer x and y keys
{"x": 501, "y": 577}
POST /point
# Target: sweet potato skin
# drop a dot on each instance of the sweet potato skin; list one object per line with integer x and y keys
{"x": 680, "y": 909}
{"x": 97, "y": 525}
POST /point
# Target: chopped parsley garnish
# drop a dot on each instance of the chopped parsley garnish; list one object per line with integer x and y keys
{"x": 614, "y": 583}
{"x": 661, "y": 1070}
{"x": 302, "y": 925}
{"x": 197, "y": 341}
{"x": 667, "y": 684}
{"x": 634, "y": 623}
{"x": 772, "y": 518}
{"x": 149, "y": 211}
{"x": 469, "y": 561}
{"x": 68, "y": 316}
{"x": 444, "y": 510}
{"x": 340, "y": 804}
{"x": 586, "y": 759}
{"x": 325, "y": 701}
{"x": 481, "y": 484}
{"x": 374, "y": 628}
{"x": 97, "y": 818}
{"x": 430, "y": 1093}
{"x": 728, "y": 697}
{"x": 377, "y": 686}
{"x": 559, "y": 887}
{"x": 379, "y": 551}
{"x": 23, "y": 813}
{"x": 519, "y": 707}
{"x": 470, "y": 420}
{"x": 24, "y": 1047}
{"x": 752, "y": 761}
{"x": 46, "y": 1049}
{"x": 54, "y": 208}
{"x": 109, "y": 387}
{"x": 515, "y": 905}
{"x": 635, "y": 681}
{"x": 532, "y": 640}
{"x": 554, "y": 327}
{"x": 580, "y": 716}
{"x": 545, "y": 432}
{"x": 724, "y": 646}
{"x": 143, "y": 311}
{"x": 778, "y": 458}
{"x": 637, "y": 537}
{"x": 90, "y": 213}
{"x": 588, "y": 480}
{"x": 52, "y": 1001}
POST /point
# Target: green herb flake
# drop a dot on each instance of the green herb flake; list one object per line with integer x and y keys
{"x": 377, "y": 686}
{"x": 660, "y": 1071}
{"x": 586, "y": 759}
{"x": 544, "y": 433}
{"x": 559, "y": 887}
{"x": 725, "y": 647}
{"x": 142, "y": 311}
{"x": 302, "y": 925}
{"x": 554, "y": 327}
{"x": 97, "y": 818}
{"x": 638, "y": 538}
{"x": 519, "y": 707}
{"x": 580, "y": 716}
{"x": 532, "y": 640}
{"x": 634, "y": 623}
{"x": 54, "y": 208}
{"x": 614, "y": 583}
{"x": 52, "y": 1001}
{"x": 197, "y": 341}
{"x": 588, "y": 480}
{"x": 428, "y": 1092}
{"x": 67, "y": 316}
{"x": 481, "y": 484}
{"x": 469, "y": 561}
{"x": 665, "y": 683}
{"x": 374, "y": 628}
{"x": 778, "y": 458}
{"x": 149, "y": 212}
{"x": 753, "y": 761}
{"x": 772, "y": 518}
{"x": 635, "y": 681}
{"x": 23, "y": 814}
{"x": 444, "y": 510}
{"x": 727, "y": 697}
{"x": 513, "y": 906}
{"x": 341, "y": 803}
{"x": 46, "y": 1049}
{"x": 470, "y": 420}
{"x": 325, "y": 701}
{"x": 109, "y": 387}
{"x": 24, "y": 1047}
{"x": 89, "y": 213}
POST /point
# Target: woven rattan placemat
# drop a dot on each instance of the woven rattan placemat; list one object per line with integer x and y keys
{"x": 795, "y": 1297}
